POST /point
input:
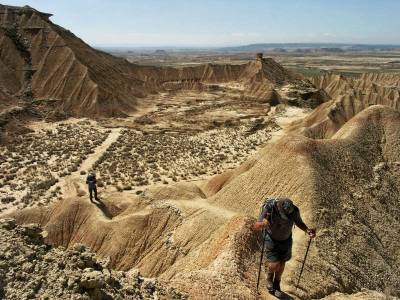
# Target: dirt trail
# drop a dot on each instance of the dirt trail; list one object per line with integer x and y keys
{"x": 288, "y": 117}
{"x": 190, "y": 207}
{"x": 112, "y": 137}
{"x": 201, "y": 204}
{"x": 74, "y": 185}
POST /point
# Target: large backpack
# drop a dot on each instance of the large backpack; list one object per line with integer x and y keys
{"x": 269, "y": 205}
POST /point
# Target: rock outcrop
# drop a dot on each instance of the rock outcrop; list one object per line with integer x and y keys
{"x": 30, "y": 269}
{"x": 349, "y": 97}
{"x": 41, "y": 60}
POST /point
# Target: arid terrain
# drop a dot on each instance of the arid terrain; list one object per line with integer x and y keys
{"x": 307, "y": 61}
{"x": 185, "y": 151}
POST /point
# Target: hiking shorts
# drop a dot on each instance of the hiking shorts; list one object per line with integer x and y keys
{"x": 278, "y": 250}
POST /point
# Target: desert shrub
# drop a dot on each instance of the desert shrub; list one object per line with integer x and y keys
{"x": 43, "y": 185}
{"x": 25, "y": 199}
{"x": 10, "y": 177}
{"x": 7, "y": 199}
{"x": 72, "y": 169}
{"x": 100, "y": 183}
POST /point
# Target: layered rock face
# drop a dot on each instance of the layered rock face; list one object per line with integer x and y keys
{"x": 349, "y": 97}
{"x": 42, "y": 61}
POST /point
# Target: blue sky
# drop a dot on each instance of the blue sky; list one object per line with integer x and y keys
{"x": 223, "y": 22}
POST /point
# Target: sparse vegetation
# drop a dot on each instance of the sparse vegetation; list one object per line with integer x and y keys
{"x": 34, "y": 162}
{"x": 139, "y": 159}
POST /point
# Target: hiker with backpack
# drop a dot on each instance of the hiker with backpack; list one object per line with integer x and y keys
{"x": 91, "y": 182}
{"x": 277, "y": 219}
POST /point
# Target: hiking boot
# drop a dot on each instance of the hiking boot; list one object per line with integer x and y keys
{"x": 277, "y": 288}
{"x": 270, "y": 284}
{"x": 279, "y": 294}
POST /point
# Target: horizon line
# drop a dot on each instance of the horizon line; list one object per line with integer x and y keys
{"x": 205, "y": 46}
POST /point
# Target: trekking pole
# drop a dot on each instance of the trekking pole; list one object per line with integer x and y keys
{"x": 261, "y": 259}
{"x": 304, "y": 262}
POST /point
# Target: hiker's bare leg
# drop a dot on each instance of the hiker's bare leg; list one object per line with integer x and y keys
{"x": 277, "y": 268}
{"x": 280, "y": 269}
{"x": 274, "y": 266}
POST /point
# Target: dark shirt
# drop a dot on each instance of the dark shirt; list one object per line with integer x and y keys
{"x": 280, "y": 228}
{"x": 91, "y": 180}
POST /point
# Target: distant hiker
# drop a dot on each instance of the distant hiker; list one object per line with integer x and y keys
{"x": 91, "y": 182}
{"x": 277, "y": 218}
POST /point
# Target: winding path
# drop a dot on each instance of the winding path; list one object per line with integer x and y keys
{"x": 73, "y": 184}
